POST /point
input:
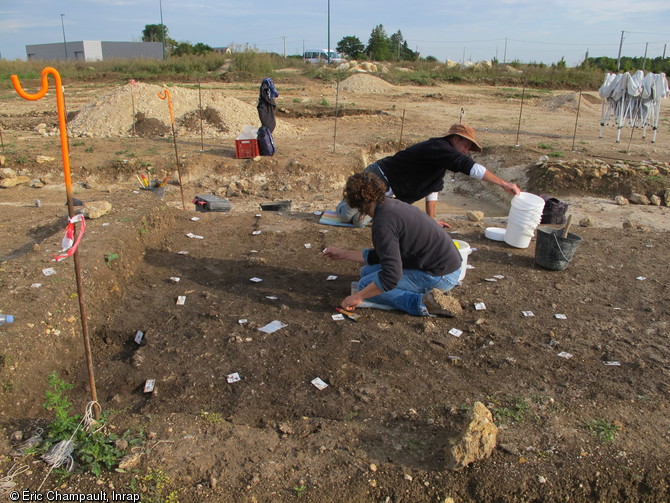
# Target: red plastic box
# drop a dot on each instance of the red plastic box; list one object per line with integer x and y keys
{"x": 246, "y": 148}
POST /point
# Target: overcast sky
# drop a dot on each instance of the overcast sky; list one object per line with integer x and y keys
{"x": 524, "y": 30}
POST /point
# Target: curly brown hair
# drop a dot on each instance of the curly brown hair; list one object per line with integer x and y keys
{"x": 363, "y": 191}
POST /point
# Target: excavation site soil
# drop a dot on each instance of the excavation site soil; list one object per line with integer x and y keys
{"x": 581, "y": 401}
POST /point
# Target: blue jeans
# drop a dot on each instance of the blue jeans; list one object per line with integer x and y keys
{"x": 408, "y": 293}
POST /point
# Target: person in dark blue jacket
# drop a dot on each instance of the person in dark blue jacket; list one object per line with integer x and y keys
{"x": 418, "y": 171}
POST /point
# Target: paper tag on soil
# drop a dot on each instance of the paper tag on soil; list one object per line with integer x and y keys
{"x": 256, "y": 233}
{"x": 272, "y": 327}
{"x": 149, "y": 385}
{"x": 331, "y": 278}
{"x": 138, "y": 337}
{"x": 499, "y": 276}
{"x": 184, "y": 252}
{"x": 175, "y": 279}
{"x": 194, "y": 236}
{"x": 242, "y": 321}
{"x": 469, "y": 266}
{"x": 492, "y": 280}
{"x": 195, "y": 219}
{"x": 319, "y": 384}
{"x": 271, "y": 297}
{"x": 308, "y": 245}
{"x": 234, "y": 377}
{"x": 641, "y": 278}
{"x": 612, "y": 364}
{"x": 528, "y": 314}
{"x": 255, "y": 280}
{"x": 565, "y": 355}
{"x": 337, "y": 317}
{"x": 456, "y": 332}
{"x": 36, "y": 285}
{"x": 559, "y": 316}
{"x": 181, "y": 300}
{"x": 480, "y": 306}
{"x": 49, "y": 271}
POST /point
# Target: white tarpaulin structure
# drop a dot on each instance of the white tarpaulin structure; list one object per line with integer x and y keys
{"x": 633, "y": 100}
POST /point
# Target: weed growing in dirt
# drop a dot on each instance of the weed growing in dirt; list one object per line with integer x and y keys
{"x": 545, "y": 146}
{"x": 299, "y": 490}
{"x": 89, "y": 150}
{"x": 94, "y": 450}
{"x": 323, "y": 102}
{"x": 514, "y": 412}
{"x": 556, "y": 153}
{"x": 211, "y": 417}
{"x": 607, "y": 432}
{"x": 78, "y": 144}
{"x": 157, "y": 486}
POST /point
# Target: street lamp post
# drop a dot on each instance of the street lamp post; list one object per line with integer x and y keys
{"x": 160, "y": 3}
{"x": 64, "y": 42}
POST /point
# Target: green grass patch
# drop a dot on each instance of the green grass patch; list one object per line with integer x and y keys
{"x": 605, "y": 431}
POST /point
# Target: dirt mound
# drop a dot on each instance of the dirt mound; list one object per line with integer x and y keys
{"x": 113, "y": 114}
{"x": 365, "y": 84}
{"x": 570, "y": 101}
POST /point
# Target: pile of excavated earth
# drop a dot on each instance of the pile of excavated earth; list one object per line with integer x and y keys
{"x": 136, "y": 108}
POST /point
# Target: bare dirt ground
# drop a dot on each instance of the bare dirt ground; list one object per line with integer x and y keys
{"x": 398, "y": 386}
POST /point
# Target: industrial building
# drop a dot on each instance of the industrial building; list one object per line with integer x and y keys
{"x": 95, "y": 50}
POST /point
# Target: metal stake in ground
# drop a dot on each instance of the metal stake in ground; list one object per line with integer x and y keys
{"x": 518, "y": 128}
{"x": 2, "y": 142}
{"x": 574, "y": 135}
{"x": 337, "y": 99}
{"x": 166, "y": 94}
{"x": 202, "y": 141}
{"x": 60, "y": 102}
{"x": 402, "y": 126}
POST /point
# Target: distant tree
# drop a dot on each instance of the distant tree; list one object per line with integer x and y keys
{"x": 351, "y": 47}
{"x": 154, "y": 33}
{"x": 431, "y": 59}
{"x": 378, "y": 45}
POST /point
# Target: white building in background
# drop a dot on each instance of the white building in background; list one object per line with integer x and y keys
{"x": 95, "y": 50}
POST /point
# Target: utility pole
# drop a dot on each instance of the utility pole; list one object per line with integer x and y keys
{"x": 644, "y": 61}
{"x": 664, "y": 47}
{"x": 505, "y": 53}
{"x": 284, "y": 46}
{"x": 618, "y": 59}
{"x": 64, "y": 42}
{"x": 160, "y": 4}
{"x": 328, "y": 31}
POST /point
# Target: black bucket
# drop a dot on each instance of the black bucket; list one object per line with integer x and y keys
{"x": 552, "y": 250}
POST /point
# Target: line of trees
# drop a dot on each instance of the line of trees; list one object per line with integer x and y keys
{"x": 156, "y": 32}
{"x": 381, "y": 47}
{"x": 628, "y": 64}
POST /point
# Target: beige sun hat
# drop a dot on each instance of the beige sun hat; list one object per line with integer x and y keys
{"x": 466, "y": 132}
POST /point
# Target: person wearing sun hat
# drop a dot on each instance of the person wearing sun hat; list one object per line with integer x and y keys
{"x": 418, "y": 171}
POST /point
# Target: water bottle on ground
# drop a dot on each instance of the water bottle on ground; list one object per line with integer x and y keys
{"x": 6, "y": 318}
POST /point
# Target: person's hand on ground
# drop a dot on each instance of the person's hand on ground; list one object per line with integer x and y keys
{"x": 444, "y": 224}
{"x": 351, "y": 302}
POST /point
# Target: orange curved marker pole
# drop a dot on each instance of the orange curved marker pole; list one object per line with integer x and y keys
{"x": 62, "y": 124}
{"x": 60, "y": 102}
{"x": 164, "y": 95}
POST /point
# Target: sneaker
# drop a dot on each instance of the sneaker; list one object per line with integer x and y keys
{"x": 442, "y": 304}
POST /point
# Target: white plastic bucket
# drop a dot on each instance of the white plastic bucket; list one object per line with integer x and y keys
{"x": 524, "y": 217}
{"x": 528, "y": 201}
{"x": 519, "y": 236}
{"x": 465, "y": 250}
